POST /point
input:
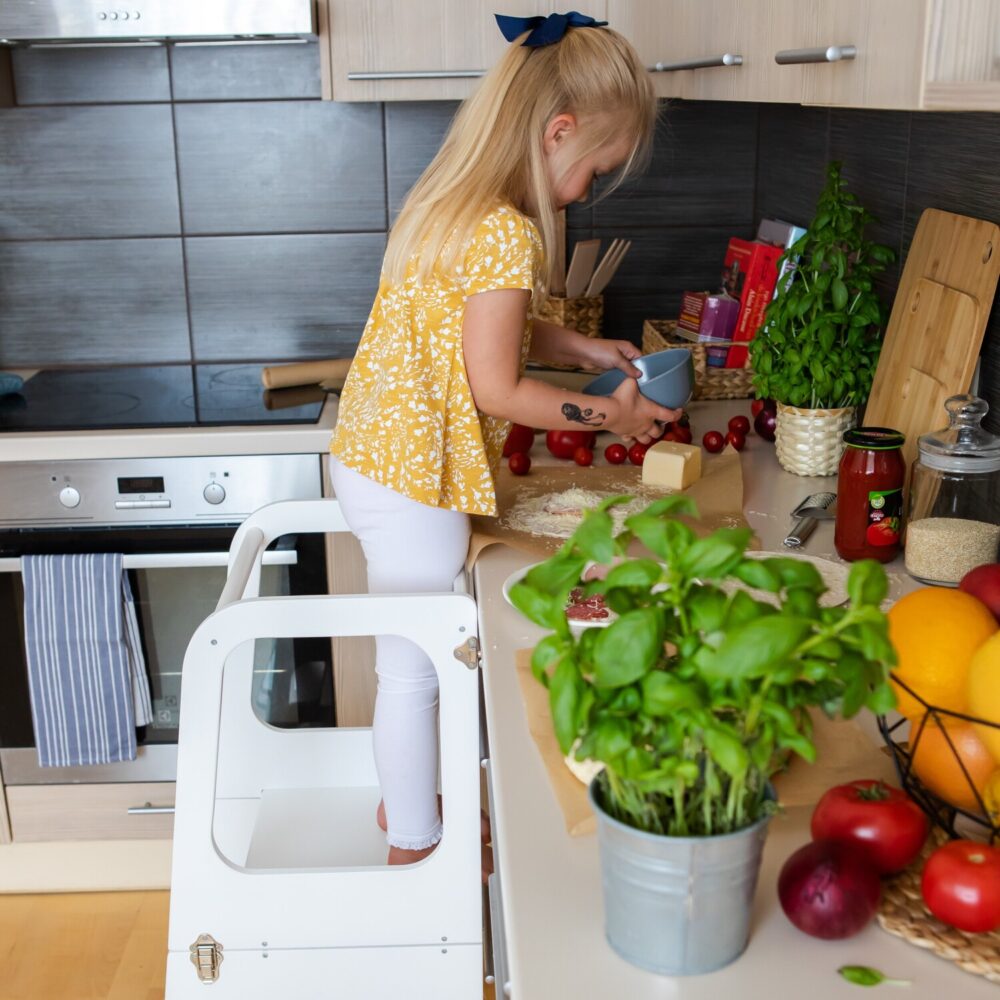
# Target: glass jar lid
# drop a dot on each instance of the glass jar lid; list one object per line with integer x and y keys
{"x": 962, "y": 446}
{"x": 874, "y": 438}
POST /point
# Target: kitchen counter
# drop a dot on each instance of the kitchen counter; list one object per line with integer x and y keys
{"x": 553, "y": 915}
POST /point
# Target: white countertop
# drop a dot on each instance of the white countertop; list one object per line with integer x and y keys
{"x": 550, "y": 882}
{"x": 256, "y": 439}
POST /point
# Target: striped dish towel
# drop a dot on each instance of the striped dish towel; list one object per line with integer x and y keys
{"x": 86, "y": 673}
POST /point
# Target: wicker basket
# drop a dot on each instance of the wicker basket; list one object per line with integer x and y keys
{"x": 709, "y": 382}
{"x": 582, "y": 314}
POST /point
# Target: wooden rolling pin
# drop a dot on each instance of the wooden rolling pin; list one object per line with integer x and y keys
{"x": 304, "y": 373}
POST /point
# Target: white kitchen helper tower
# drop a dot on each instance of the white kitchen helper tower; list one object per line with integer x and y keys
{"x": 279, "y": 887}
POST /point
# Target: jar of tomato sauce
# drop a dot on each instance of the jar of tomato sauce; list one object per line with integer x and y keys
{"x": 870, "y": 495}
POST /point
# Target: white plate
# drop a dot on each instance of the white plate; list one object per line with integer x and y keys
{"x": 574, "y": 625}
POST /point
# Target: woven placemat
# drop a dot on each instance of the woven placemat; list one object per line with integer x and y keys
{"x": 902, "y": 912}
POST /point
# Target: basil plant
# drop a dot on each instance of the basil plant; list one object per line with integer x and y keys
{"x": 696, "y": 694}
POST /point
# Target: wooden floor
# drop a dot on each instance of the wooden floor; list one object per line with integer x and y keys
{"x": 86, "y": 946}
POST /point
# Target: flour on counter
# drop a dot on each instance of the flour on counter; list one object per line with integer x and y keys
{"x": 558, "y": 515}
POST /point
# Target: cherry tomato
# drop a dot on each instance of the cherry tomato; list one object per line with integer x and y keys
{"x": 562, "y": 444}
{"x": 882, "y": 823}
{"x": 583, "y": 456}
{"x": 738, "y": 441}
{"x": 519, "y": 438}
{"x": 670, "y": 435}
{"x": 961, "y": 885}
{"x": 519, "y": 463}
{"x": 616, "y": 453}
{"x": 739, "y": 425}
{"x": 682, "y": 434}
{"x": 756, "y": 406}
{"x": 637, "y": 453}
{"x": 713, "y": 442}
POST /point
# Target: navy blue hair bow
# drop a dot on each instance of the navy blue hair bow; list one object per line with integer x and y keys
{"x": 544, "y": 30}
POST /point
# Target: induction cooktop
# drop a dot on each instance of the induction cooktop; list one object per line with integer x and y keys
{"x": 161, "y": 396}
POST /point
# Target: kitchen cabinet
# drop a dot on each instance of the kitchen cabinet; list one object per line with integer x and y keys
{"x": 896, "y": 54}
{"x": 91, "y": 811}
{"x": 397, "y": 50}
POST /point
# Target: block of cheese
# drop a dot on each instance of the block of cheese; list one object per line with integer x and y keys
{"x": 672, "y": 465}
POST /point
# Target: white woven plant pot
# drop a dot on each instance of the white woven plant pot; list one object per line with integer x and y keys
{"x": 810, "y": 442}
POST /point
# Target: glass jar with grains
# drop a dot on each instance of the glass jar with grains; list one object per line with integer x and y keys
{"x": 953, "y": 521}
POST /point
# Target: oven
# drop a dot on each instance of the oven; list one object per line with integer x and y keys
{"x": 173, "y": 520}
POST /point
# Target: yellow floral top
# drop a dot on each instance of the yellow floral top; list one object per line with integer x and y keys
{"x": 407, "y": 418}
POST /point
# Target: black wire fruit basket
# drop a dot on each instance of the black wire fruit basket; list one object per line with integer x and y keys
{"x": 955, "y": 820}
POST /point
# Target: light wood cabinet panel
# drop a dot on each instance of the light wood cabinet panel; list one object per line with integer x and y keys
{"x": 89, "y": 812}
{"x": 403, "y": 37}
{"x": 963, "y": 55}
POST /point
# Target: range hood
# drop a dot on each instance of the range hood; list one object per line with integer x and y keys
{"x": 97, "y": 22}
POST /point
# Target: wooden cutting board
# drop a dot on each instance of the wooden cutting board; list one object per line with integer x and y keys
{"x": 937, "y": 324}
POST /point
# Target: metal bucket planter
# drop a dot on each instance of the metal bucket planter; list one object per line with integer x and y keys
{"x": 678, "y": 906}
{"x": 810, "y": 442}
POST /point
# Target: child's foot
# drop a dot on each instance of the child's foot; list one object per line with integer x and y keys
{"x": 484, "y": 822}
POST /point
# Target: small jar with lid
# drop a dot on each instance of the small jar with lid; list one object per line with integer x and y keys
{"x": 953, "y": 520}
{"x": 870, "y": 495}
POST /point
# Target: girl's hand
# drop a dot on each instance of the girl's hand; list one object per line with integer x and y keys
{"x": 608, "y": 354}
{"x": 639, "y": 418}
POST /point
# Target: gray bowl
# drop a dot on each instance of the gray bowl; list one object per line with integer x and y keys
{"x": 667, "y": 378}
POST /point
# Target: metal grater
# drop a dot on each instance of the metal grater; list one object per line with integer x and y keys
{"x": 815, "y": 507}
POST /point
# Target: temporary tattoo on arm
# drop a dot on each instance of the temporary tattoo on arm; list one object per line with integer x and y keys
{"x": 576, "y": 415}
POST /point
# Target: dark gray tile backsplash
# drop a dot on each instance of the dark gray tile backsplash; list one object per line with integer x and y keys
{"x": 280, "y": 167}
{"x": 86, "y": 302}
{"x": 202, "y": 203}
{"x": 73, "y": 172}
{"x": 309, "y": 293}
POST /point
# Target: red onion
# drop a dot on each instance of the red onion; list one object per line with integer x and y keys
{"x": 828, "y": 890}
{"x": 765, "y": 422}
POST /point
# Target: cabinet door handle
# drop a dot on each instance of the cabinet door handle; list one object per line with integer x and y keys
{"x": 706, "y": 62}
{"x": 419, "y": 74}
{"x": 148, "y": 809}
{"x": 831, "y": 54}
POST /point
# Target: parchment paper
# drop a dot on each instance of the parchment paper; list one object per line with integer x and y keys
{"x": 718, "y": 495}
{"x": 843, "y": 751}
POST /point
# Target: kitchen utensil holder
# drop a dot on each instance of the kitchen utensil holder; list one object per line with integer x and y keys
{"x": 709, "y": 382}
{"x": 581, "y": 313}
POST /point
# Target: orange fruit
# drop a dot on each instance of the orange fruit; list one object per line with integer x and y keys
{"x": 936, "y": 763}
{"x": 991, "y": 796}
{"x": 984, "y": 692}
{"x": 936, "y": 631}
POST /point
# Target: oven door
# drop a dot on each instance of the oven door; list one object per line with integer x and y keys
{"x": 177, "y": 575}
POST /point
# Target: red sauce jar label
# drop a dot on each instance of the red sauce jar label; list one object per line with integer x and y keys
{"x": 885, "y": 517}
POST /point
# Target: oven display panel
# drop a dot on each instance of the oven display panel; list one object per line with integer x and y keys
{"x": 140, "y": 484}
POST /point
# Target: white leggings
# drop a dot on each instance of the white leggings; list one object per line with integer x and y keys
{"x": 410, "y": 548}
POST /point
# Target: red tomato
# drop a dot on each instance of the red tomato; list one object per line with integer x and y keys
{"x": 519, "y": 463}
{"x": 583, "y": 456}
{"x": 670, "y": 435}
{"x": 616, "y": 453}
{"x": 519, "y": 438}
{"x": 739, "y": 425}
{"x": 682, "y": 434}
{"x": 756, "y": 406}
{"x": 713, "y": 442}
{"x": 637, "y": 453}
{"x": 961, "y": 885}
{"x": 884, "y": 532}
{"x": 738, "y": 441}
{"x": 562, "y": 444}
{"x": 883, "y": 823}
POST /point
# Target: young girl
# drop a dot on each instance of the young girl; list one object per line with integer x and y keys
{"x": 438, "y": 375}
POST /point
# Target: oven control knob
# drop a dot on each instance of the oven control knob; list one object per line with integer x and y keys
{"x": 69, "y": 497}
{"x": 214, "y": 493}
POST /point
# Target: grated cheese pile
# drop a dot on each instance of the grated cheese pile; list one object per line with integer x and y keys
{"x": 558, "y": 515}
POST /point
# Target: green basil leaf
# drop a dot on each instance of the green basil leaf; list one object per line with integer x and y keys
{"x": 867, "y": 583}
{"x": 838, "y": 294}
{"x": 542, "y": 608}
{"x": 881, "y": 699}
{"x": 629, "y": 647}
{"x": 863, "y": 975}
{"x": 742, "y": 609}
{"x": 556, "y": 575}
{"x": 544, "y": 654}
{"x": 711, "y": 557}
{"x": 613, "y": 736}
{"x": 563, "y": 699}
{"x": 754, "y": 649}
{"x": 634, "y": 573}
{"x": 727, "y": 751}
{"x": 663, "y": 694}
{"x": 706, "y": 609}
{"x": 754, "y": 573}
{"x": 595, "y": 536}
{"x": 797, "y": 573}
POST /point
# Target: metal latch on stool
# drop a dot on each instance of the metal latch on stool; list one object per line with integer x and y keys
{"x": 206, "y": 957}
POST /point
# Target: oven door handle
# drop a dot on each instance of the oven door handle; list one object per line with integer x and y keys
{"x": 178, "y": 560}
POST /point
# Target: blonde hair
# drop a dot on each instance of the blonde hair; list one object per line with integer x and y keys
{"x": 493, "y": 151}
